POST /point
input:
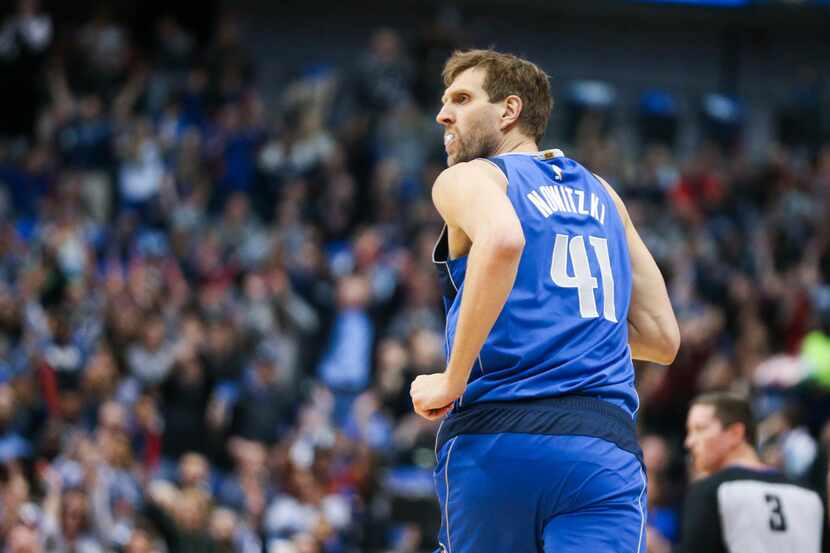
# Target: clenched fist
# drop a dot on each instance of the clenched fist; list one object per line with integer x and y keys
{"x": 433, "y": 394}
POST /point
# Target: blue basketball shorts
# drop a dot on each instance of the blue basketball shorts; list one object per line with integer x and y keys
{"x": 582, "y": 490}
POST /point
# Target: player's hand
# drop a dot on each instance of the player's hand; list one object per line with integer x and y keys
{"x": 432, "y": 395}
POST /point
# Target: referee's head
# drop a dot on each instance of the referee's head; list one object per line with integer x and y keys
{"x": 719, "y": 428}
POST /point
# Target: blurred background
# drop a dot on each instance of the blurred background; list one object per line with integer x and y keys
{"x": 215, "y": 251}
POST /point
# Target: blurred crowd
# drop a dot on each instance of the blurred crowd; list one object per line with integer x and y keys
{"x": 212, "y": 303}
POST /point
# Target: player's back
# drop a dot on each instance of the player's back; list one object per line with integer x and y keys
{"x": 563, "y": 330}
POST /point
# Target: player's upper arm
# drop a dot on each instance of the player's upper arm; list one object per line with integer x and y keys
{"x": 653, "y": 330}
{"x": 471, "y": 197}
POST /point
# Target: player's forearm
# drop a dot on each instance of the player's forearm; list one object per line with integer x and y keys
{"x": 654, "y": 341}
{"x": 653, "y": 333}
{"x": 652, "y": 327}
{"x": 640, "y": 349}
{"x": 492, "y": 265}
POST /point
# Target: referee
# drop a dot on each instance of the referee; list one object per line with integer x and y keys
{"x": 742, "y": 505}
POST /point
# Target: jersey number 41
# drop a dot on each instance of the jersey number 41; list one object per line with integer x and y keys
{"x": 582, "y": 279}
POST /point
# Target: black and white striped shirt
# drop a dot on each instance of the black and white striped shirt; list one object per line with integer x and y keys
{"x": 741, "y": 510}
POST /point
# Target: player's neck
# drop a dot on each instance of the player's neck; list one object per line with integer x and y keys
{"x": 515, "y": 142}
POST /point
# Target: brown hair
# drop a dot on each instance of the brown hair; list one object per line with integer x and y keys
{"x": 730, "y": 409}
{"x": 506, "y": 75}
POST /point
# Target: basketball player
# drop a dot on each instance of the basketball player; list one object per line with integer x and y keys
{"x": 549, "y": 294}
{"x": 742, "y": 506}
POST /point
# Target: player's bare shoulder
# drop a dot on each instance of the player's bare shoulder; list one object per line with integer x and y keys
{"x": 468, "y": 177}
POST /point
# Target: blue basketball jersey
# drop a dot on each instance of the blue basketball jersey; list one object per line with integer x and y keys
{"x": 563, "y": 329}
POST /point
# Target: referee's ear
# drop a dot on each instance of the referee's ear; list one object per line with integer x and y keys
{"x": 737, "y": 434}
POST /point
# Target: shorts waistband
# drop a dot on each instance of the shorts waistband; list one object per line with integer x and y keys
{"x": 566, "y": 415}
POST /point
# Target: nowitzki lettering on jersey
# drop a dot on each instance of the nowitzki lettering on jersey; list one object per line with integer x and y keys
{"x": 550, "y": 199}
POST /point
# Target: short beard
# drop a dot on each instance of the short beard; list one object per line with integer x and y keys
{"x": 477, "y": 144}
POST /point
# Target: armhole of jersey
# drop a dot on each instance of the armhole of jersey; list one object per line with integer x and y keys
{"x": 440, "y": 252}
{"x": 602, "y": 183}
{"x": 500, "y": 165}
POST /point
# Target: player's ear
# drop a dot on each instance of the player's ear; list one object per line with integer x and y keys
{"x": 511, "y": 110}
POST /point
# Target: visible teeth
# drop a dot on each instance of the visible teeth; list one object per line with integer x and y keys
{"x": 448, "y": 138}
